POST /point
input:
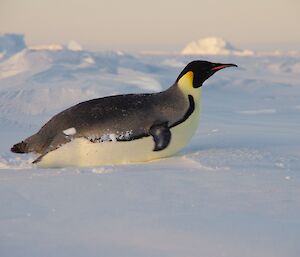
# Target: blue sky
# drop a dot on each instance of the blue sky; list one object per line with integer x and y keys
{"x": 155, "y": 24}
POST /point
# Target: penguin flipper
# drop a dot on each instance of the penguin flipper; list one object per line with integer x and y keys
{"x": 161, "y": 135}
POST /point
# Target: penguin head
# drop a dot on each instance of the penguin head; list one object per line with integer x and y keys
{"x": 196, "y": 72}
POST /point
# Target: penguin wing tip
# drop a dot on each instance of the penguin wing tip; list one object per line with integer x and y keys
{"x": 37, "y": 160}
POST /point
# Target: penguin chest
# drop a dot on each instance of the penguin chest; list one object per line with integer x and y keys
{"x": 183, "y": 133}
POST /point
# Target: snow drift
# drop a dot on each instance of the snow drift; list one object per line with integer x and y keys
{"x": 11, "y": 44}
{"x": 237, "y": 179}
{"x": 213, "y": 46}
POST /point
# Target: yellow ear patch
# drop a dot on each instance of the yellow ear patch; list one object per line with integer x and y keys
{"x": 185, "y": 83}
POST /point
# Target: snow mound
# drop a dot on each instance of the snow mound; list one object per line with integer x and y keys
{"x": 68, "y": 77}
{"x": 287, "y": 66}
{"x": 15, "y": 65}
{"x": 74, "y": 46}
{"x": 71, "y": 46}
{"x": 51, "y": 47}
{"x": 11, "y": 44}
{"x": 24, "y": 61}
{"x": 213, "y": 46}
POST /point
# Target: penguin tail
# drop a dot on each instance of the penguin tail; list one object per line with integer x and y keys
{"x": 30, "y": 144}
{"x": 21, "y": 147}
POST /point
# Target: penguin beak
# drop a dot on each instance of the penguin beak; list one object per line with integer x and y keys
{"x": 222, "y": 66}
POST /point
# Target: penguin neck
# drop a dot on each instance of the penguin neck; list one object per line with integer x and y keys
{"x": 181, "y": 95}
{"x": 185, "y": 86}
{"x": 194, "y": 92}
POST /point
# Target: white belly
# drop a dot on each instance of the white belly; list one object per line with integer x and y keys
{"x": 83, "y": 153}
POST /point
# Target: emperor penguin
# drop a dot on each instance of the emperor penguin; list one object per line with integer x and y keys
{"x": 124, "y": 128}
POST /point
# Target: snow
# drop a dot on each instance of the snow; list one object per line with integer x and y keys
{"x": 16, "y": 64}
{"x": 50, "y": 47}
{"x": 213, "y": 46}
{"x": 233, "y": 191}
{"x": 10, "y": 44}
{"x": 255, "y": 112}
{"x": 74, "y": 46}
{"x": 113, "y": 137}
{"x": 70, "y": 131}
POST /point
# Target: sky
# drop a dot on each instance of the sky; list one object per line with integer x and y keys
{"x": 154, "y": 25}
